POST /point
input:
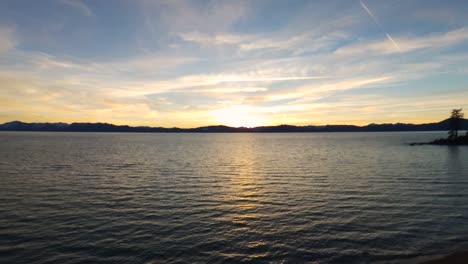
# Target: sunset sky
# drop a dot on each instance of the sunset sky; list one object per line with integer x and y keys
{"x": 237, "y": 63}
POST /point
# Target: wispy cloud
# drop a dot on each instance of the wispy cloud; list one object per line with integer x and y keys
{"x": 268, "y": 43}
{"x": 7, "y": 39}
{"x": 408, "y": 43}
{"x": 266, "y": 79}
{"x": 212, "y": 17}
{"x": 213, "y": 39}
{"x": 228, "y": 90}
{"x": 79, "y": 6}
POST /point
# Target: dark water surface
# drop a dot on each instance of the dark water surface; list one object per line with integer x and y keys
{"x": 210, "y": 198}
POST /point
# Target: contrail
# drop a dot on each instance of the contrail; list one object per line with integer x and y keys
{"x": 393, "y": 41}
{"x": 377, "y": 22}
{"x": 370, "y": 13}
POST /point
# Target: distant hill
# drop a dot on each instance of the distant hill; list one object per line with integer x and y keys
{"x": 105, "y": 127}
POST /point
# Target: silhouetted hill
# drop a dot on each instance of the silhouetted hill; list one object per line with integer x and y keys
{"x": 105, "y": 127}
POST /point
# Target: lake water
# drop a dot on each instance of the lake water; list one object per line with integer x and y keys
{"x": 210, "y": 198}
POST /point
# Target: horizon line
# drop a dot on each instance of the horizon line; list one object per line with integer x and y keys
{"x": 221, "y": 125}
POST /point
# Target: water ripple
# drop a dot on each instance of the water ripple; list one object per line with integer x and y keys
{"x": 263, "y": 198}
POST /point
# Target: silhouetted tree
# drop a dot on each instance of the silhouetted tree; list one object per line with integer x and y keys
{"x": 454, "y": 124}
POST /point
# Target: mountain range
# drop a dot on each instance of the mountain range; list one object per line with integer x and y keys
{"x": 105, "y": 127}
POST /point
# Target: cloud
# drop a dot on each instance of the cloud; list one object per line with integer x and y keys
{"x": 79, "y": 6}
{"x": 7, "y": 39}
{"x": 215, "y": 39}
{"x": 271, "y": 86}
{"x": 347, "y": 84}
{"x": 150, "y": 63}
{"x": 45, "y": 61}
{"x": 380, "y": 108}
{"x": 193, "y": 83}
{"x": 284, "y": 43}
{"x": 243, "y": 78}
{"x": 36, "y": 99}
{"x": 406, "y": 44}
{"x": 434, "y": 41}
{"x": 228, "y": 90}
{"x": 310, "y": 92}
{"x": 259, "y": 45}
{"x": 443, "y": 14}
{"x": 191, "y": 59}
{"x": 188, "y": 16}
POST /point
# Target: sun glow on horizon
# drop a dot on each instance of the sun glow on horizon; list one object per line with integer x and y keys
{"x": 239, "y": 116}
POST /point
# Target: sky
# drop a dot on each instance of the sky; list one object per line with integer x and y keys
{"x": 236, "y": 63}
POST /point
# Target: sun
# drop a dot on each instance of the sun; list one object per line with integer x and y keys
{"x": 239, "y": 116}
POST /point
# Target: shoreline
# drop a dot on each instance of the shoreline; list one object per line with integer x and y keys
{"x": 107, "y": 127}
{"x": 459, "y": 141}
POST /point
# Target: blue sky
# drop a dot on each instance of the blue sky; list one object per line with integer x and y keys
{"x": 239, "y": 63}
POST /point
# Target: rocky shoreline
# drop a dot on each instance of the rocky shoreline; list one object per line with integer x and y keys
{"x": 462, "y": 140}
